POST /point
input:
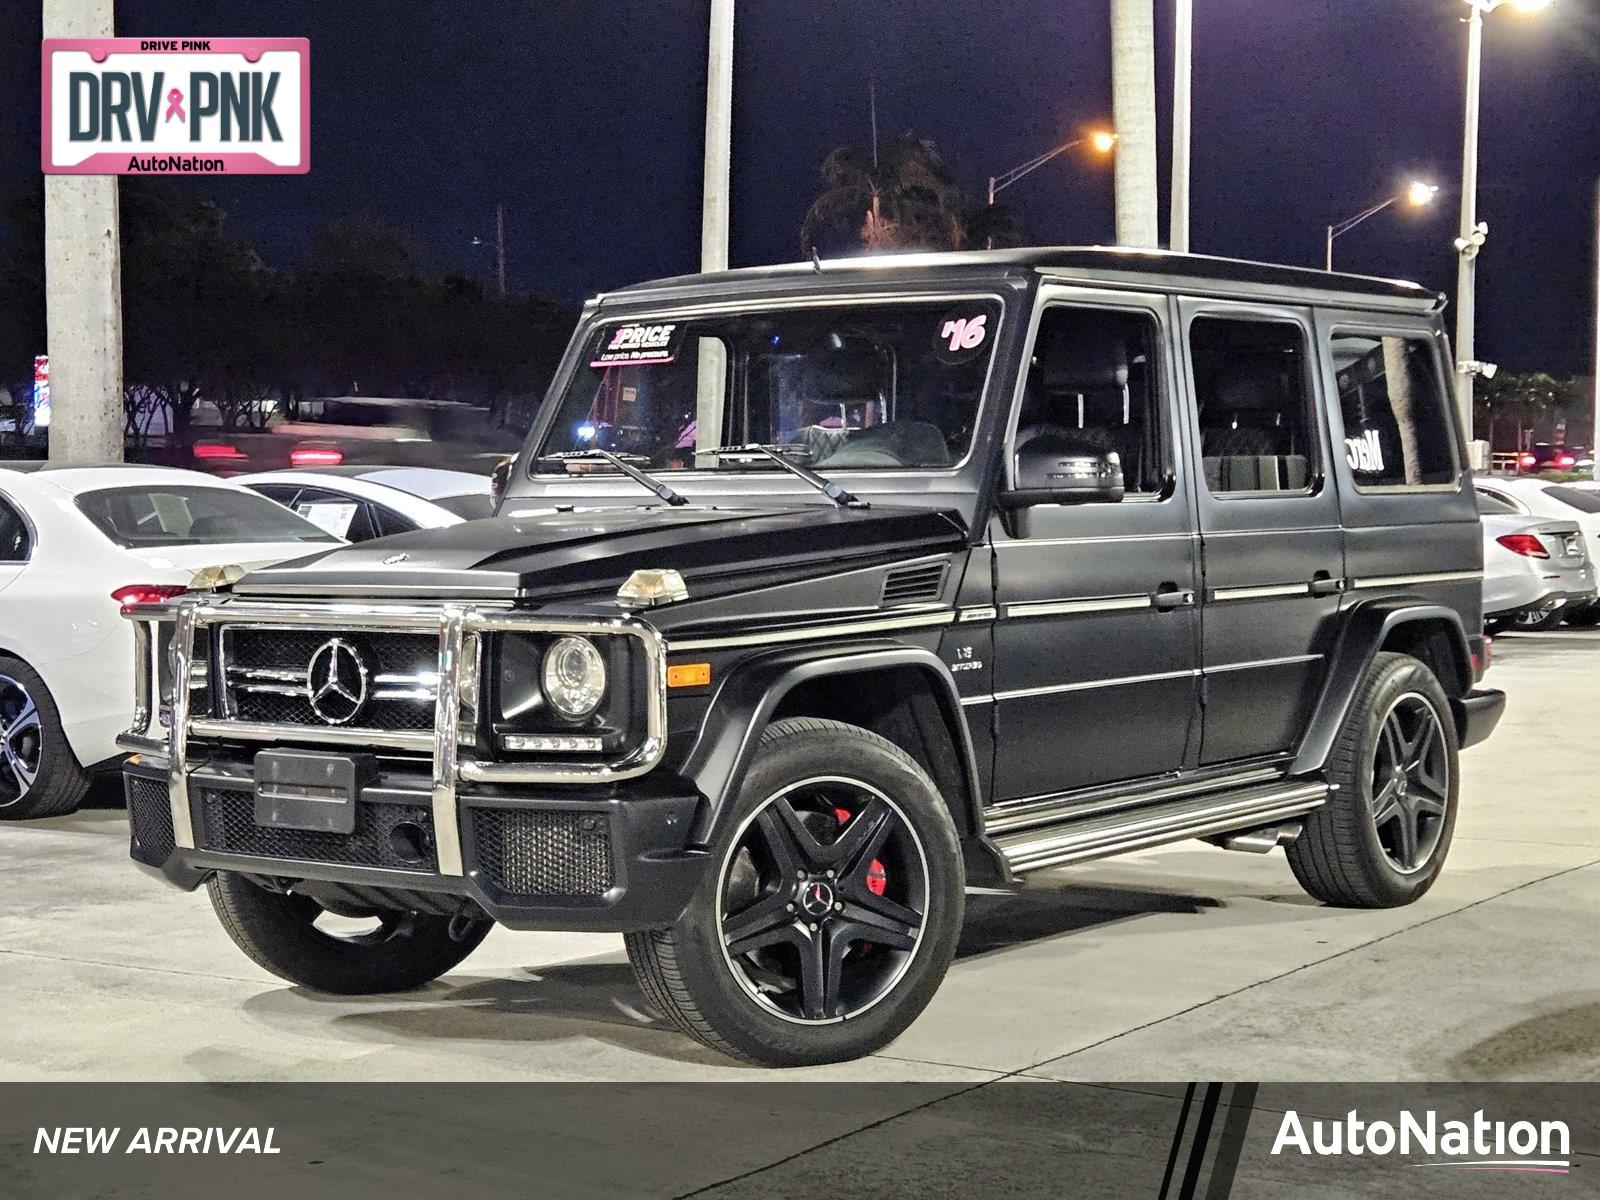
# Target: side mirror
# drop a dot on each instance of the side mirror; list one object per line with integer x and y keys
{"x": 1050, "y": 470}
{"x": 500, "y": 479}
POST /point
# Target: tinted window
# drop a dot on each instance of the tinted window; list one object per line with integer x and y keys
{"x": 15, "y": 543}
{"x": 192, "y": 516}
{"x": 1256, "y": 431}
{"x": 842, "y": 386}
{"x": 389, "y": 522}
{"x": 1092, "y": 389}
{"x": 1397, "y": 421}
{"x": 1490, "y": 505}
{"x": 1579, "y": 499}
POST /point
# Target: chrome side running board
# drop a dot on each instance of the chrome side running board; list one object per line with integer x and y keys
{"x": 1100, "y": 836}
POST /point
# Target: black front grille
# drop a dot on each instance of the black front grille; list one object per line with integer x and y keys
{"x": 228, "y": 825}
{"x": 149, "y": 818}
{"x": 288, "y": 654}
{"x": 526, "y": 852}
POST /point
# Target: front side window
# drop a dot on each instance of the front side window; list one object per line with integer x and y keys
{"x": 839, "y": 387}
{"x": 1093, "y": 389}
{"x": 1256, "y": 429}
{"x": 145, "y": 517}
{"x": 1396, "y": 410}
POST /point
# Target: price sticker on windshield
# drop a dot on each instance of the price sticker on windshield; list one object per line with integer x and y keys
{"x": 638, "y": 346}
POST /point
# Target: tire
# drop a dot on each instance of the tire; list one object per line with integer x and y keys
{"x": 1532, "y": 620}
{"x": 1349, "y": 852}
{"x": 278, "y": 931}
{"x": 887, "y": 918}
{"x": 39, "y": 774}
{"x": 1584, "y": 616}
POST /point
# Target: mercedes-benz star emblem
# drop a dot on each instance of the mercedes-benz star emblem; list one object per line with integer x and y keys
{"x": 336, "y": 682}
{"x": 816, "y": 897}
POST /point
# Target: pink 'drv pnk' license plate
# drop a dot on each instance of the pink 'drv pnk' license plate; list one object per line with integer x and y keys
{"x": 176, "y": 106}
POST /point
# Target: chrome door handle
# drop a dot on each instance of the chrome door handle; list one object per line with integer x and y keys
{"x": 1323, "y": 586}
{"x": 1166, "y": 600}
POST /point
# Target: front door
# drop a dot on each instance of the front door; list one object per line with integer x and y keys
{"x": 1096, "y": 639}
{"x": 1273, "y": 551}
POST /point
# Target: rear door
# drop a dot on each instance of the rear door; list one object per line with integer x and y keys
{"x": 1272, "y": 547}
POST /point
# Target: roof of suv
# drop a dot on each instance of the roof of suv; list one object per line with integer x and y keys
{"x": 1093, "y": 260}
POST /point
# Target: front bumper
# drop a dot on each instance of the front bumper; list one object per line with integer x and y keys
{"x": 556, "y": 859}
{"x": 1477, "y": 713}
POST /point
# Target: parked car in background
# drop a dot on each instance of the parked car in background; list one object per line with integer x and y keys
{"x": 1532, "y": 568}
{"x": 362, "y": 503}
{"x": 1557, "y": 501}
{"x": 76, "y": 546}
{"x": 1549, "y": 456}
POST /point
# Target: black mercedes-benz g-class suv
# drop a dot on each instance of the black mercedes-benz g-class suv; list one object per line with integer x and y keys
{"x": 821, "y": 594}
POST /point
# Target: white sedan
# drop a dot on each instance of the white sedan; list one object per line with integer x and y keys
{"x": 1553, "y": 501}
{"x": 75, "y": 545}
{"x": 361, "y": 503}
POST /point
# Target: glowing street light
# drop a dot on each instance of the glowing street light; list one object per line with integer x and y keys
{"x": 1417, "y": 194}
{"x": 1473, "y": 232}
{"x": 1102, "y": 141}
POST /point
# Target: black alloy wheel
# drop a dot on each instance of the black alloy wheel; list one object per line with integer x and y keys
{"x": 1410, "y": 782}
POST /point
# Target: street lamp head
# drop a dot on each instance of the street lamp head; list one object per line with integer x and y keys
{"x": 1530, "y": 6}
{"x": 1103, "y": 140}
{"x": 1419, "y": 194}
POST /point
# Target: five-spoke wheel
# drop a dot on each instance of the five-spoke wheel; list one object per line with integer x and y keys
{"x": 823, "y": 899}
{"x": 1410, "y": 782}
{"x": 21, "y": 742}
{"x": 829, "y": 911}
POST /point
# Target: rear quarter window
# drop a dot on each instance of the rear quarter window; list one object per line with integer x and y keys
{"x": 1398, "y": 428}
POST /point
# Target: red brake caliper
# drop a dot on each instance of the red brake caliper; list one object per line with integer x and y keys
{"x": 877, "y": 877}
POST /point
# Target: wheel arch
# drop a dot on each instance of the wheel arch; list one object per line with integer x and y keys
{"x": 1430, "y": 632}
{"x": 912, "y": 701}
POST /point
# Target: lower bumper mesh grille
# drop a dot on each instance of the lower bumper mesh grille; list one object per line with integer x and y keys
{"x": 228, "y": 825}
{"x": 533, "y": 853}
{"x": 150, "y": 819}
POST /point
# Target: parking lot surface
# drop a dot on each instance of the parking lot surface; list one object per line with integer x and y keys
{"x": 1183, "y": 962}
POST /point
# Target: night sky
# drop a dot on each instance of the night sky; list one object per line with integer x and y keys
{"x": 584, "y": 119}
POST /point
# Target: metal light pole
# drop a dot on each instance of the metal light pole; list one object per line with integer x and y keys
{"x": 1473, "y": 233}
{"x": 1102, "y": 140}
{"x": 500, "y": 246}
{"x": 1182, "y": 64}
{"x": 1417, "y": 194}
{"x": 1594, "y": 434}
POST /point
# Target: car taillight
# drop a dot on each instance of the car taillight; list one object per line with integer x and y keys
{"x": 135, "y": 594}
{"x": 316, "y": 456}
{"x": 1566, "y": 460}
{"x": 218, "y": 450}
{"x": 1526, "y": 460}
{"x": 1524, "y": 544}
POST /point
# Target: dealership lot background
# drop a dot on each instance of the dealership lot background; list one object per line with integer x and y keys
{"x": 1184, "y": 962}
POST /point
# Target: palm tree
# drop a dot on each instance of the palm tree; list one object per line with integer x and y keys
{"x": 907, "y": 199}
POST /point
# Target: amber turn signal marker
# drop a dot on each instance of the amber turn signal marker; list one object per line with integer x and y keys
{"x": 689, "y": 675}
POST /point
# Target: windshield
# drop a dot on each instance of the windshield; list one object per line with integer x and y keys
{"x": 143, "y": 517}
{"x": 881, "y": 387}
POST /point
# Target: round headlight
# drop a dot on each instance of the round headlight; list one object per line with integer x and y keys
{"x": 574, "y": 677}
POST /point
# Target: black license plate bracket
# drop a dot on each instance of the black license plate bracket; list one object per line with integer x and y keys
{"x": 310, "y": 790}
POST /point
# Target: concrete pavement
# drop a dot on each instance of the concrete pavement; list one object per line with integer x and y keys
{"x": 1184, "y": 962}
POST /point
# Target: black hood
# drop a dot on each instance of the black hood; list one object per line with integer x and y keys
{"x": 550, "y": 553}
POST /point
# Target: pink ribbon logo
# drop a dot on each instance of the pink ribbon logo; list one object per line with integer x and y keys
{"x": 174, "y": 106}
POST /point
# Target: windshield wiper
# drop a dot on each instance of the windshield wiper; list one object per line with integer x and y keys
{"x": 827, "y": 487}
{"x": 621, "y": 464}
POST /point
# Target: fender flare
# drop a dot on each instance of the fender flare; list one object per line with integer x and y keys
{"x": 1365, "y": 630}
{"x": 749, "y": 695}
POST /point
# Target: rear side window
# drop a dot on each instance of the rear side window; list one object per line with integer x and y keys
{"x": 15, "y": 544}
{"x": 1488, "y": 505}
{"x": 1396, "y": 411}
{"x": 1587, "y": 502}
{"x": 1256, "y": 431}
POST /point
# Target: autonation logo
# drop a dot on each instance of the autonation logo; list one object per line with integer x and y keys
{"x": 1476, "y": 1145}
